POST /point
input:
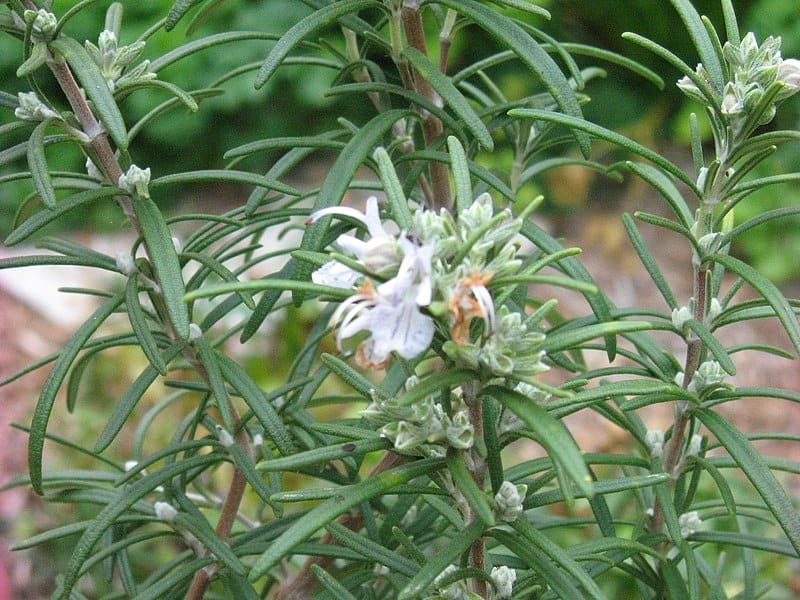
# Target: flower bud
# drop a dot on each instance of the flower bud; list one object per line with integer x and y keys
{"x": 32, "y": 109}
{"x": 503, "y": 579}
{"x": 509, "y": 500}
{"x": 125, "y": 262}
{"x": 680, "y": 316}
{"x": 135, "y": 180}
{"x": 690, "y": 523}
{"x": 654, "y": 438}
{"x": 224, "y": 437}
{"x": 165, "y": 511}
{"x": 43, "y": 26}
{"x": 194, "y": 332}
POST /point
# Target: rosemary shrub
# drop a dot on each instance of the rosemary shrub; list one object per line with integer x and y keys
{"x": 385, "y": 462}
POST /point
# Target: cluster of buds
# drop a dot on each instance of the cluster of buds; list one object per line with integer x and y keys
{"x": 31, "y": 108}
{"x": 436, "y": 275}
{"x": 425, "y": 428}
{"x": 509, "y": 500}
{"x": 114, "y": 60}
{"x": 709, "y": 376}
{"x": 43, "y": 24}
{"x": 502, "y": 579}
{"x": 754, "y": 72}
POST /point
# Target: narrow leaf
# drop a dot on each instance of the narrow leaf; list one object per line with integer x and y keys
{"x": 258, "y": 403}
{"x": 130, "y": 399}
{"x": 322, "y": 456}
{"x": 125, "y": 498}
{"x": 41, "y": 414}
{"x": 37, "y": 162}
{"x": 311, "y": 24}
{"x": 141, "y": 328}
{"x": 705, "y": 46}
{"x": 550, "y": 433}
{"x": 559, "y": 556}
{"x": 460, "y": 168}
{"x": 450, "y": 95}
{"x": 768, "y": 290}
{"x": 530, "y": 52}
{"x": 475, "y": 497}
{"x": 393, "y": 189}
{"x": 447, "y": 555}
{"x": 164, "y": 258}
{"x": 45, "y": 217}
{"x": 608, "y": 135}
{"x": 328, "y": 511}
{"x": 648, "y": 261}
{"x": 336, "y": 590}
{"x": 757, "y": 471}
{"x": 558, "y": 340}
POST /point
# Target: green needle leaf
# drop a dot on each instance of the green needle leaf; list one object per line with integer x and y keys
{"x": 312, "y": 23}
{"x": 507, "y": 32}
{"x": 551, "y": 434}
{"x": 52, "y": 384}
{"x": 451, "y": 96}
{"x": 757, "y": 471}
{"x": 328, "y": 511}
{"x": 164, "y": 257}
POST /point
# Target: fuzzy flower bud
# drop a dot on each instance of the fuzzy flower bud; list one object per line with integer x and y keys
{"x": 503, "y": 579}
{"x": 708, "y": 375}
{"x": 695, "y": 445}
{"x": 43, "y": 24}
{"x": 224, "y": 437}
{"x": 165, "y": 511}
{"x": 655, "y": 442}
{"x": 680, "y": 316}
{"x": 135, "y": 180}
{"x": 690, "y": 523}
{"x": 509, "y": 499}
{"x": 32, "y": 109}
{"x": 125, "y": 262}
{"x": 194, "y": 332}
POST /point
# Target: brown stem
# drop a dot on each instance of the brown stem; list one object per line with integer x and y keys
{"x": 432, "y": 126}
{"x": 476, "y": 464}
{"x": 303, "y": 583}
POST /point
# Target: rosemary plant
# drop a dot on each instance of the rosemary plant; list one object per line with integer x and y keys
{"x": 387, "y": 460}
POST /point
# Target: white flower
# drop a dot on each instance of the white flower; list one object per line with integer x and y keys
{"x": 165, "y": 511}
{"x": 503, "y": 578}
{"x": 379, "y": 253}
{"x": 335, "y": 274}
{"x": 390, "y": 312}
